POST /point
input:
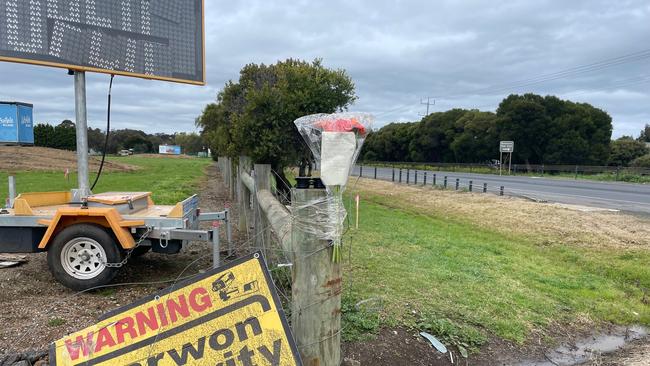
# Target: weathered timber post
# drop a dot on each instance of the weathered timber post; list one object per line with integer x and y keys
{"x": 262, "y": 231}
{"x": 226, "y": 171}
{"x": 232, "y": 177}
{"x": 244, "y": 195}
{"x": 316, "y": 289}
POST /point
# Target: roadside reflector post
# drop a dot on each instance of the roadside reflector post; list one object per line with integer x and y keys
{"x": 445, "y": 184}
{"x": 316, "y": 289}
{"x": 12, "y": 190}
{"x": 216, "y": 245}
{"x": 501, "y": 191}
{"x": 457, "y": 183}
{"x": 470, "y": 185}
{"x": 484, "y": 187}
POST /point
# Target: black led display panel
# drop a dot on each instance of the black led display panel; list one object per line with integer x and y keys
{"x": 153, "y": 39}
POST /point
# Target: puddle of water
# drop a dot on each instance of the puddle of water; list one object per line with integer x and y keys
{"x": 587, "y": 349}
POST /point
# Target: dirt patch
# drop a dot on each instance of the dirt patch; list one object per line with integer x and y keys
{"x": 402, "y": 347}
{"x": 32, "y": 158}
{"x": 36, "y": 310}
{"x": 509, "y": 215}
{"x": 405, "y": 347}
{"x": 634, "y": 354}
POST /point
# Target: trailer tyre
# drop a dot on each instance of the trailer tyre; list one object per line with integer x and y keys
{"x": 78, "y": 255}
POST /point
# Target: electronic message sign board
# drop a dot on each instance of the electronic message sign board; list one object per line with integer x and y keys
{"x": 152, "y": 39}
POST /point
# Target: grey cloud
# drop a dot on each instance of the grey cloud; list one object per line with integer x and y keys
{"x": 396, "y": 51}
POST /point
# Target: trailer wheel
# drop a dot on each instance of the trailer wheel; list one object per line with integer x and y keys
{"x": 78, "y": 255}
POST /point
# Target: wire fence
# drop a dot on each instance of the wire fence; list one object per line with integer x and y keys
{"x": 432, "y": 179}
{"x": 615, "y": 173}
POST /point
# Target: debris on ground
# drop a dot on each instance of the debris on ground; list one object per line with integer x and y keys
{"x": 11, "y": 260}
{"x": 434, "y": 342}
{"x": 26, "y": 358}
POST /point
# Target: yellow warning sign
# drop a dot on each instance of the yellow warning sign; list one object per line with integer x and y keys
{"x": 229, "y": 316}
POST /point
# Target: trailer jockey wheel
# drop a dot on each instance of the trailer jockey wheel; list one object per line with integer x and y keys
{"x": 78, "y": 255}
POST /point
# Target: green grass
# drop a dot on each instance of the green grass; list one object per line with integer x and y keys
{"x": 171, "y": 180}
{"x": 56, "y": 322}
{"x": 428, "y": 268}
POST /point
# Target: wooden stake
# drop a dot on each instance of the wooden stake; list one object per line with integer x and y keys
{"x": 356, "y": 199}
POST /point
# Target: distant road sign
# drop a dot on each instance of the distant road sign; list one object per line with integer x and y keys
{"x": 507, "y": 146}
{"x": 161, "y": 39}
{"x": 229, "y": 315}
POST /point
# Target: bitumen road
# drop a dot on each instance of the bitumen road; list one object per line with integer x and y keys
{"x": 609, "y": 195}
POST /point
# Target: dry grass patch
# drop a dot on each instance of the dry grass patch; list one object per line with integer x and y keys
{"x": 553, "y": 224}
{"x": 32, "y": 158}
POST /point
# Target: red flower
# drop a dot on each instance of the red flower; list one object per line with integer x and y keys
{"x": 342, "y": 125}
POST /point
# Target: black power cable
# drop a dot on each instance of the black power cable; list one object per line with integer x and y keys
{"x": 108, "y": 132}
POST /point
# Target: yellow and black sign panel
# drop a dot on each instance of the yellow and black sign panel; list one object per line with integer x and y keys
{"x": 229, "y": 316}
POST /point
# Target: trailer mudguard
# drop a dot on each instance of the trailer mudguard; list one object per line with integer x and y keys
{"x": 106, "y": 217}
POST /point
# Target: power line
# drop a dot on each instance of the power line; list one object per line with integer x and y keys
{"x": 573, "y": 71}
{"x": 562, "y": 74}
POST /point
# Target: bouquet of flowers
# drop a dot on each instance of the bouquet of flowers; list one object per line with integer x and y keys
{"x": 336, "y": 141}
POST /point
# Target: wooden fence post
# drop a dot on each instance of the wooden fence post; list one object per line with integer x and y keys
{"x": 244, "y": 195}
{"x": 262, "y": 231}
{"x": 232, "y": 178}
{"x": 316, "y": 289}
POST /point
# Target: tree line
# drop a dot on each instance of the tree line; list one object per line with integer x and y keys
{"x": 63, "y": 136}
{"x": 546, "y": 130}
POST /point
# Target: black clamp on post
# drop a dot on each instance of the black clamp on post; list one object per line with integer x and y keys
{"x": 309, "y": 183}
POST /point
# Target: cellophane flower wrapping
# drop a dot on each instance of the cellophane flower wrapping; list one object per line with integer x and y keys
{"x": 335, "y": 141}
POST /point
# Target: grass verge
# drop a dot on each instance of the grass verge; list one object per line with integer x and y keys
{"x": 171, "y": 180}
{"x": 445, "y": 274}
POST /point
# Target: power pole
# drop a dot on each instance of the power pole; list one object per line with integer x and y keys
{"x": 428, "y": 104}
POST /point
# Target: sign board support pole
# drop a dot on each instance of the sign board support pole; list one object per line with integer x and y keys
{"x": 82, "y": 132}
{"x": 316, "y": 289}
{"x": 509, "y": 164}
{"x": 500, "y": 162}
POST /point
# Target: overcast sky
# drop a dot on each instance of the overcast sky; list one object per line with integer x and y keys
{"x": 467, "y": 54}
